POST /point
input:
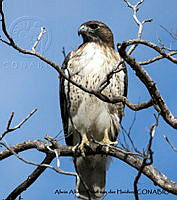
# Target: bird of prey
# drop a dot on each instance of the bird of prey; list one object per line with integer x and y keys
{"x": 85, "y": 116}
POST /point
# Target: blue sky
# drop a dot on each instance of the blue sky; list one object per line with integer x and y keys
{"x": 27, "y": 83}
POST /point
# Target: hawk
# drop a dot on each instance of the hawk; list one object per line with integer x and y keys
{"x": 85, "y": 116}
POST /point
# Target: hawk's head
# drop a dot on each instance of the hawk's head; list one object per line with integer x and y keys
{"x": 96, "y": 31}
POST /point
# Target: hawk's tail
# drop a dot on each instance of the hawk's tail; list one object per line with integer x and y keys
{"x": 92, "y": 173}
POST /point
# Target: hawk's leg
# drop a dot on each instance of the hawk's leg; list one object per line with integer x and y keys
{"x": 84, "y": 141}
{"x": 106, "y": 140}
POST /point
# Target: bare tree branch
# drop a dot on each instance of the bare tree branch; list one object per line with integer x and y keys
{"x": 148, "y": 160}
{"x": 171, "y": 145}
{"x": 151, "y": 45}
{"x": 64, "y": 52}
{"x": 8, "y": 129}
{"x": 135, "y": 9}
{"x": 135, "y": 184}
{"x": 146, "y": 62}
{"x": 38, "y": 38}
{"x": 128, "y": 134}
{"x": 4, "y": 25}
{"x": 133, "y": 160}
{"x": 30, "y": 144}
{"x": 34, "y": 144}
{"x": 103, "y": 84}
{"x": 142, "y": 74}
{"x": 174, "y": 36}
{"x": 163, "y": 47}
{"x": 31, "y": 178}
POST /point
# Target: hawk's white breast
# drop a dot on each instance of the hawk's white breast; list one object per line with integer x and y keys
{"x": 94, "y": 59}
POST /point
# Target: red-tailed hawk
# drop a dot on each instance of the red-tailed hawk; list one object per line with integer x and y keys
{"x": 84, "y": 115}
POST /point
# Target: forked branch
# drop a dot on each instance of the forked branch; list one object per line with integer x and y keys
{"x": 8, "y": 129}
{"x": 140, "y": 24}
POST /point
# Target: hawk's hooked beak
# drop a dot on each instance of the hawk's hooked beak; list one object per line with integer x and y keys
{"x": 83, "y": 29}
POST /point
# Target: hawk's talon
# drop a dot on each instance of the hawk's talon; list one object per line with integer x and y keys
{"x": 81, "y": 146}
{"x": 106, "y": 141}
{"x": 84, "y": 142}
{"x": 74, "y": 148}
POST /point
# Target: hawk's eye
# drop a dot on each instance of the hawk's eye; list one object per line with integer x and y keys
{"x": 93, "y": 26}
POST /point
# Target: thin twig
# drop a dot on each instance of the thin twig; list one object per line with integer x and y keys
{"x": 8, "y": 129}
{"x": 163, "y": 47}
{"x": 135, "y": 9}
{"x": 152, "y": 46}
{"x": 147, "y": 62}
{"x": 64, "y": 52}
{"x": 171, "y": 145}
{"x": 128, "y": 134}
{"x": 171, "y": 34}
{"x": 148, "y": 160}
{"x": 10, "y": 120}
{"x": 22, "y": 122}
{"x": 138, "y": 176}
{"x": 43, "y": 30}
{"x": 102, "y": 85}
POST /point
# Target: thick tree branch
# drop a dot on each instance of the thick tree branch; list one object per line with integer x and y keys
{"x": 150, "y": 85}
{"x": 4, "y": 25}
{"x": 150, "y": 171}
{"x": 30, "y": 144}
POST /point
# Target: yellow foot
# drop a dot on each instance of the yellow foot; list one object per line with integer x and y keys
{"x": 84, "y": 142}
{"x": 106, "y": 141}
{"x": 81, "y": 146}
